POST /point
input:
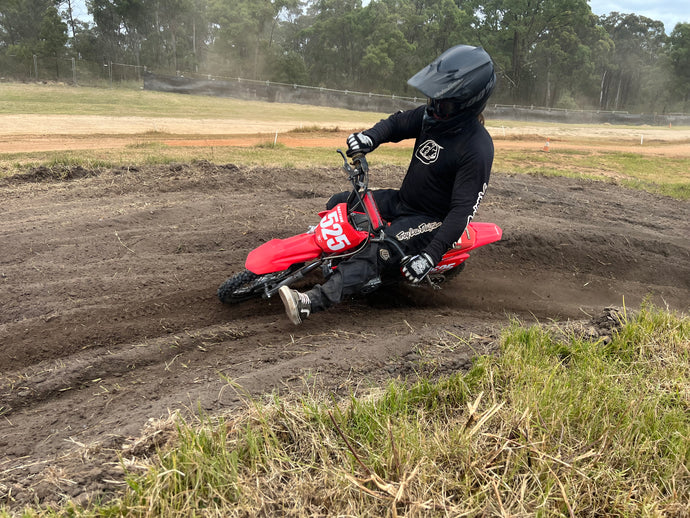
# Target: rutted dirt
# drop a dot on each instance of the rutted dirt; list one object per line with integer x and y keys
{"x": 109, "y": 317}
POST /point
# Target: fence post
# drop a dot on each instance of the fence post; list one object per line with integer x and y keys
{"x": 74, "y": 72}
{"x": 36, "y": 67}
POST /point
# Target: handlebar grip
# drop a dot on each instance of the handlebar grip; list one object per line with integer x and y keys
{"x": 360, "y": 160}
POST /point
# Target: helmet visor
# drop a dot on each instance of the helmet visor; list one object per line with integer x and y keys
{"x": 443, "y": 109}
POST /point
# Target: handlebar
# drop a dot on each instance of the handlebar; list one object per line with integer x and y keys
{"x": 358, "y": 174}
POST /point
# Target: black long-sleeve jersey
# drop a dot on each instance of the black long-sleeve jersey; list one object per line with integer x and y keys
{"x": 448, "y": 173}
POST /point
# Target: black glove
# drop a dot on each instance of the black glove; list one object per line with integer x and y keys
{"x": 415, "y": 268}
{"x": 359, "y": 143}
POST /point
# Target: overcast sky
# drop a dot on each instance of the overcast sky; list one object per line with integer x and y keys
{"x": 670, "y": 12}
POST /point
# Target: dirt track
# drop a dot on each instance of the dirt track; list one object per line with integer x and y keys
{"x": 109, "y": 316}
{"x": 18, "y": 133}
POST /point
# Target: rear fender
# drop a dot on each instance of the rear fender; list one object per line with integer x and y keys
{"x": 478, "y": 234}
{"x": 474, "y": 236}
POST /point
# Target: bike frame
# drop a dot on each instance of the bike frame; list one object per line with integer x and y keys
{"x": 336, "y": 237}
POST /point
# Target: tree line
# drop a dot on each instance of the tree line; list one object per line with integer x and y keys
{"x": 553, "y": 53}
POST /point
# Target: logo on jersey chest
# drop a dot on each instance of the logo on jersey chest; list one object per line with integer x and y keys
{"x": 428, "y": 152}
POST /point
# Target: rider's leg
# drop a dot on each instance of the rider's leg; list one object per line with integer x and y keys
{"x": 409, "y": 235}
{"x": 348, "y": 279}
{"x": 411, "y": 232}
{"x": 334, "y": 200}
{"x": 387, "y": 201}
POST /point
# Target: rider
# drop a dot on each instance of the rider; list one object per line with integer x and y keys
{"x": 445, "y": 181}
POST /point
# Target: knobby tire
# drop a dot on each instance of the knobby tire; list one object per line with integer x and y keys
{"x": 240, "y": 287}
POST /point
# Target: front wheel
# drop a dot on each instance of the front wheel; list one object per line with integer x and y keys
{"x": 248, "y": 285}
{"x": 241, "y": 286}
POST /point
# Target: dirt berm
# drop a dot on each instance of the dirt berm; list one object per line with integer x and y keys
{"x": 109, "y": 319}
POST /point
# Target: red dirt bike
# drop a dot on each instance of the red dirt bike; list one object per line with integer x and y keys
{"x": 341, "y": 233}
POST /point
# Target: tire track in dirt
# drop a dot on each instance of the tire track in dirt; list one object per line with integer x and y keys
{"x": 109, "y": 317}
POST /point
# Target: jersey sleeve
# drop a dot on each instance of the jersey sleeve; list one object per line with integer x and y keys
{"x": 470, "y": 185}
{"x": 399, "y": 126}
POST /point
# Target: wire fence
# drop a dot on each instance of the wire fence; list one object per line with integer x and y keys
{"x": 76, "y": 71}
{"x": 240, "y": 88}
{"x": 73, "y": 71}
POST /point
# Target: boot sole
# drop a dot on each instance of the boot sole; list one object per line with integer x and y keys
{"x": 290, "y": 305}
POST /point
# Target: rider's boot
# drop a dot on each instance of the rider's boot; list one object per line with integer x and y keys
{"x": 297, "y": 305}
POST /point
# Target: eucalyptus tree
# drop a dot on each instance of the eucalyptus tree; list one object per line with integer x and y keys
{"x": 388, "y": 57}
{"x": 679, "y": 56}
{"x": 564, "y": 69}
{"x": 172, "y": 40}
{"x": 32, "y": 25}
{"x": 122, "y": 26}
{"x": 334, "y": 42}
{"x": 198, "y": 32}
{"x": 285, "y": 58}
{"x": 243, "y": 34}
{"x": 432, "y": 26}
{"x": 634, "y": 77}
{"x": 31, "y": 28}
{"x": 167, "y": 34}
{"x": 83, "y": 41}
{"x": 530, "y": 40}
{"x": 52, "y": 36}
{"x": 69, "y": 15}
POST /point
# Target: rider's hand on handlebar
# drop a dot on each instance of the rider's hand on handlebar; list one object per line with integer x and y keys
{"x": 359, "y": 143}
{"x": 415, "y": 268}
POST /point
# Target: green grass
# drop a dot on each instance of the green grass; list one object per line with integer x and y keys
{"x": 659, "y": 174}
{"x": 146, "y": 152}
{"x": 554, "y": 425}
{"x": 669, "y": 176}
{"x": 68, "y": 100}
{"x": 662, "y": 175}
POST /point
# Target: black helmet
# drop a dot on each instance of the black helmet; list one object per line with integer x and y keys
{"x": 459, "y": 80}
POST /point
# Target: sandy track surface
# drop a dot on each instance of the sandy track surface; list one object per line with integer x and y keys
{"x": 22, "y": 133}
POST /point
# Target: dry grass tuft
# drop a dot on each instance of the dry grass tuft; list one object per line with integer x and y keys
{"x": 555, "y": 425}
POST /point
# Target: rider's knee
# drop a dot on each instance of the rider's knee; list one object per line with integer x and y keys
{"x": 388, "y": 257}
{"x": 341, "y": 197}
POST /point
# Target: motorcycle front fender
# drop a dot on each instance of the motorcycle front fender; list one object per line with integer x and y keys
{"x": 279, "y": 254}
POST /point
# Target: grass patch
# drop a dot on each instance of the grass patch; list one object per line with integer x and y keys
{"x": 315, "y": 129}
{"x": 270, "y": 144}
{"x": 266, "y": 154}
{"x": 661, "y": 175}
{"x": 669, "y": 176}
{"x": 68, "y": 100}
{"x": 553, "y": 426}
